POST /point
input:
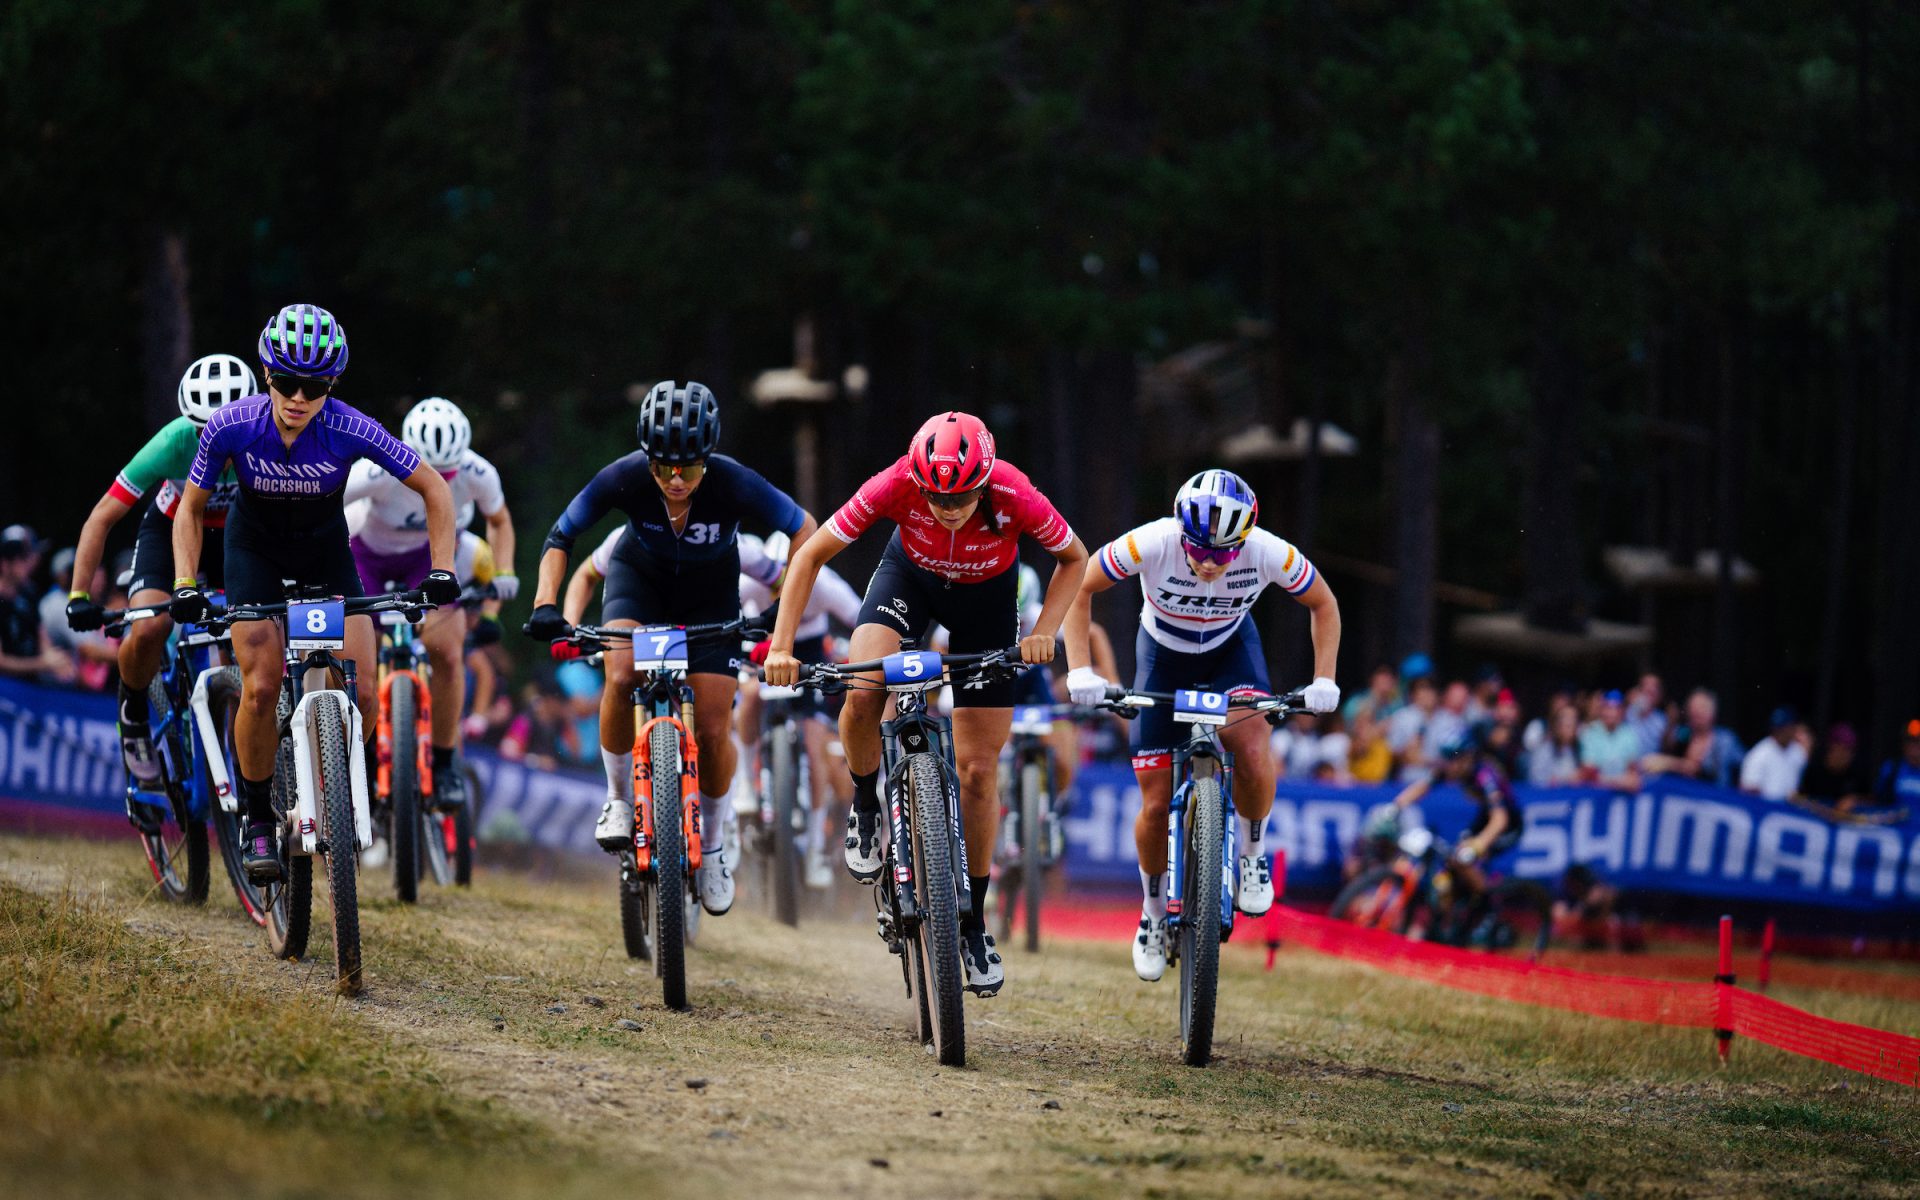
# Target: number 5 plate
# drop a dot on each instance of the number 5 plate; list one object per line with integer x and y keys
{"x": 660, "y": 648}
{"x": 1200, "y": 708}
{"x": 319, "y": 625}
{"x": 906, "y": 670}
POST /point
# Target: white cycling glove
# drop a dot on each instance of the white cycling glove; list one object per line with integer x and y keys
{"x": 506, "y": 587}
{"x": 1085, "y": 686}
{"x": 1321, "y": 696}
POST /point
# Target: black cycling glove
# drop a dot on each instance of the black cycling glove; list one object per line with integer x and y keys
{"x": 190, "y": 605}
{"x": 547, "y": 625}
{"x": 84, "y": 616}
{"x": 440, "y": 587}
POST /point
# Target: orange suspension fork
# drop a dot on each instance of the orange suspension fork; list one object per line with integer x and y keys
{"x": 422, "y": 733}
{"x": 643, "y": 782}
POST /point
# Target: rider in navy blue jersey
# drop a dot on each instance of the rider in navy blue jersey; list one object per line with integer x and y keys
{"x": 291, "y": 449}
{"x": 679, "y": 565}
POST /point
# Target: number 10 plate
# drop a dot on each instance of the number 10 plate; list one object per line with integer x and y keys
{"x": 1200, "y": 708}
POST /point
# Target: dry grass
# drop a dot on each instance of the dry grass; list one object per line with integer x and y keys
{"x": 148, "y": 1046}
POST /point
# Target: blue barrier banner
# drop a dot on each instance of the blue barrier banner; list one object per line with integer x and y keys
{"x": 60, "y": 750}
{"x": 554, "y": 808}
{"x": 1672, "y": 836}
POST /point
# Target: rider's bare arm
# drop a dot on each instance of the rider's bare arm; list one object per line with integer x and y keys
{"x": 1413, "y": 793}
{"x": 580, "y": 592}
{"x": 1075, "y": 633}
{"x": 93, "y": 539}
{"x": 796, "y": 587}
{"x": 1325, "y": 622}
{"x": 1070, "y": 569}
{"x": 500, "y": 539}
{"x": 427, "y": 484}
{"x": 188, "y": 532}
{"x": 553, "y": 569}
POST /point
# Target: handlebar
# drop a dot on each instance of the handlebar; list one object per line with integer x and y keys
{"x": 1127, "y": 702}
{"x": 592, "y": 639}
{"x": 221, "y": 616}
{"x": 830, "y": 678}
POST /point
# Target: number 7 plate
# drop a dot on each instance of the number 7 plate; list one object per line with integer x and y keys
{"x": 317, "y": 625}
{"x": 660, "y": 648}
{"x": 1200, "y": 708}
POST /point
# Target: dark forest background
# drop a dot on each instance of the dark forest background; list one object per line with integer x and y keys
{"x": 1475, "y": 292}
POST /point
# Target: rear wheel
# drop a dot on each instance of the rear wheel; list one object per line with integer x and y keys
{"x": 403, "y": 790}
{"x": 783, "y": 751}
{"x": 175, "y": 841}
{"x": 223, "y": 697}
{"x": 938, "y": 943}
{"x": 1033, "y": 804}
{"x": 336, "y": 802}
{"x": 669, "y": 886}
{"x": 289, "y": 903}
{"x": 460, "y": 828}
{"x": 1200, "y": 921}
{"x": 1366, "y": 897}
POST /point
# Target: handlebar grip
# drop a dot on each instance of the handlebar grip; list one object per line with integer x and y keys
{"x": 564, "y": 651}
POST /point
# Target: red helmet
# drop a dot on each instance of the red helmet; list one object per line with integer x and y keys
{"x": 952, "y": 453}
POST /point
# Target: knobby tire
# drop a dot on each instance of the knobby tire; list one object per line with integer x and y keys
{"x": 403, "y": 791}
{"x": 668, "y": 901}
{"x": 1200, "y": 921}
{"x": 939, "y": 936}
{"x": 336, "y": 795}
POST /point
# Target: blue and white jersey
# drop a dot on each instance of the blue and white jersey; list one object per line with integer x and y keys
{"x": 1180, "y": 610}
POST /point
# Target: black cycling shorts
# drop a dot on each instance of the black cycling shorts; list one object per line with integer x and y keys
{"x": 910, "y": 599}
{"x": 262, "y": 561}
{"x": 153, "y": 555}
{"x": 638, "y": 588}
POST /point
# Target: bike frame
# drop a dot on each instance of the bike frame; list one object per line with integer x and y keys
{"x": 192, "y": 652}
{"x": 916, "y": 730}
{"x": 1202, "y": 753}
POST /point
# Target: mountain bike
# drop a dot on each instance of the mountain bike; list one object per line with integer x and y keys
{"x": 786, "y": 800}
{"x": 422, "y": 840}
{"x": 923, "y": 886}
{"x": 319, "y": 778}
{"x": 657, "y": 890}
{"x": 1032, "y": 838}
{"x": 171, "y": 814}
{"x": 1200, "y": 845}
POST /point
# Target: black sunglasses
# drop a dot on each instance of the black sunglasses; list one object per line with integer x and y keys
{"x": 300, "y": 385}
{"x": 951, "y": 500}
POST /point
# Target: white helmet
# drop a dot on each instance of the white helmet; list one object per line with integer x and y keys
{"x": 439, "y": 431}
{"x": 778, "y": 546}
{"x": 211, "y": 382}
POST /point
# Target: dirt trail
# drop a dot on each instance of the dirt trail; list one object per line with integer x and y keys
{"x": 795, "y": 1071}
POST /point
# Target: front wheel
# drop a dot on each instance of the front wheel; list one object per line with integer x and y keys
{"x": 229, "y": 828}
{"x": 342, "y": 852}
{"x": 635, "y": 917}
{"x": 174, "y": 840}
{"x": 1200, "y": 920}
{"x": 289, "y": 903}
{"x": 937, "y": 945}
{"x": 1368, "y": 898}
{"x": 1035, "y": 799}
{"x": 669, "y": 884}
{"x": 783, "y": 751}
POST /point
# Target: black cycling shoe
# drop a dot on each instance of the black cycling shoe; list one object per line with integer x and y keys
{"x": 863, "y": 845}
{"x": 449, "y": 789}
{"x": 260, "y": 853}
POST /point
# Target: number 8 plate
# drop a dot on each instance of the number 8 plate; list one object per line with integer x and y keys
{"x": 660, "y": 648}
{"x": 319, "y": 625}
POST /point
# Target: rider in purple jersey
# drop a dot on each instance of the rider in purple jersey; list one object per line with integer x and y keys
{"x": 291, "y": 449}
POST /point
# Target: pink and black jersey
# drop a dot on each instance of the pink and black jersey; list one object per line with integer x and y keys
{"x": 974, "y": 552}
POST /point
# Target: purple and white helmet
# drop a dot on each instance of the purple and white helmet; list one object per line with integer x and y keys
{"x": 1216, "y": 509}
{"x": 304, "y": 339}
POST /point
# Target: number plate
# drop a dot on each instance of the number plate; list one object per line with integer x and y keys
{"x": 1200, "y": 708}
{"x": 915, "y": 667}
{"x": 1032, "y": 718}
{"x": 660, "y": 648}
{"x": 317, "y": 625}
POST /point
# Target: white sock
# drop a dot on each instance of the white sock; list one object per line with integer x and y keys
{"x": 1252, "y": 835}
{"x": 1154, "y": 888}
{"x": 715, "y": 812}
{"x": 619, "y": 774}
{"x": 817, "y": 830}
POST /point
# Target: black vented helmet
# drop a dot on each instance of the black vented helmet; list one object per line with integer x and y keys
{"x": 679, "y": 422}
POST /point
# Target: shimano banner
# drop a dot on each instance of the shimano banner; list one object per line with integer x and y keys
{"x": 1672, "y": 836}
{"x": 60, "y": 753}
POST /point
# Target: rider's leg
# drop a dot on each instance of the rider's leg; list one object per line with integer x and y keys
{"x": 363, "y": 647}
{"x": 746, "y": 726}
{"x": 979, "y": 734}
{"x": 445, "y": 634}
{"x": 1155, "y": 776}
{"x": 1254, "y": 775}
{"x": 616, "y": 719}
{"x": 256, "y": 734}
{"x": 713, "y": 735}
{"x": 861, "y": 714}
{"x": 141, "y": 652}
{"x": 815, "y": 735}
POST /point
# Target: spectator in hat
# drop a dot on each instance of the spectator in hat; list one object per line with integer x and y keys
{"x": 26, "y": 652}
{"x": 1835, "y": 776}
{"x": 1488, "y": 684}
{"x": 1773, "y": 767}
{"x": 1899, "y": 783}
{"x": 1610, "y": 746}
{"x": 1698, "y": 747}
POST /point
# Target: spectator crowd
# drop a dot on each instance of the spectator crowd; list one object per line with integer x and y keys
{"x": 1393, "y": 731}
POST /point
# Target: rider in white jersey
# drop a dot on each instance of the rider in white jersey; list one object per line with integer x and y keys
{"x": 388, "y": 524}
{"x": 1200, "y": 571}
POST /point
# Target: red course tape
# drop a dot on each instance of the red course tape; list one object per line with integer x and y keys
{"x": 1875, "y": 1052}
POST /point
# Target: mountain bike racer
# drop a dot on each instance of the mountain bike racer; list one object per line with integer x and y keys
{"x": 958, "y": 514}
{"x": 387, "y": 521}
{"x": 208, "y": 384}
{"x": 1200, "y": 572}
{"x": 291, "y": 450}
{"x": 680, "y": 565}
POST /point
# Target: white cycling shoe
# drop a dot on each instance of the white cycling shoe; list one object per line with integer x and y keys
{"x": 715, "y": 878}
{"x": 1255, "y": 893}
{"x": 984, "y": 971}
{"x": 1150, "y": 948}
{"x": 819, "y": 872}
{"x": 863, "y": 845}
{"x": 614, "y": 830}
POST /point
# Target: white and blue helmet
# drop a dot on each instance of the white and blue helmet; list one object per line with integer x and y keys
{"x": 1216, "y": 509}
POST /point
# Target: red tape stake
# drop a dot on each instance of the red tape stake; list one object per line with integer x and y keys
{"x": 1766, "y": 955}
{"x": 1723, "y": 989}
{"x": 1721, "y": 1007}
